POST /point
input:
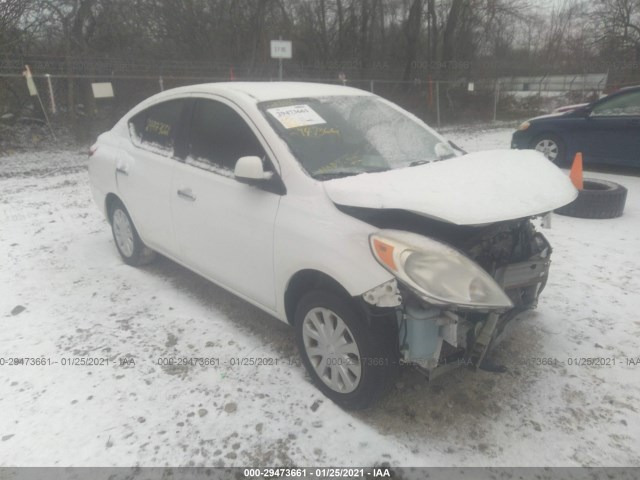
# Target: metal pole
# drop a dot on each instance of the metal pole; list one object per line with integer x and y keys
{"x": 496, "y": 95}
{"x": 161, "y": 83}
{"x": 52, "y": 98}
{"x": 280, "y": 63}
{"x": 46, "y": 117}
{"x": 371, "y": 86}
{"x": 438, "y": 103}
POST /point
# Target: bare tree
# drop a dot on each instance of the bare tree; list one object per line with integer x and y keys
{"x": 412, "y": 35}
{"x": 620, "y": 25}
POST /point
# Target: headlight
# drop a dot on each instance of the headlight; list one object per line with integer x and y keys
{"x": 523, "y": 126}
{"x": 438, "y": 273}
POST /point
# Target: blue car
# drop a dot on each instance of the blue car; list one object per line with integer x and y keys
{"x": 606, "y": 131}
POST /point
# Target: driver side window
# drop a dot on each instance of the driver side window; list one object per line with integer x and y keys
{"x": 623, "y": 105}
{"x": 219, "y": 137}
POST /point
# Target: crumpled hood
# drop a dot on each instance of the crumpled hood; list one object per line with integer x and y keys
{"x": 473, "y": 189}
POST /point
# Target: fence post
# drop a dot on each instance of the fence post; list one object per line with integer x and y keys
{"x": 52, "y": 98}
{"x": 496, "y": 96}
{"x": 371, "y": 85}
{"x": 161, "y": 83}
{"x": 438, "y": 103}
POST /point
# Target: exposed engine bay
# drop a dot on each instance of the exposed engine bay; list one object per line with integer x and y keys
{"x": 435, "y": 338}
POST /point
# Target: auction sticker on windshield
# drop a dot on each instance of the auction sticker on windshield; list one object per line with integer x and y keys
{"x": 295, "y": 116}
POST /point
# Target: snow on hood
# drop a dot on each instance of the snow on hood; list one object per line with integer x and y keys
{"x": 550, "y": 115}
{"x": 473, "y": 189}
{"x": 570, "y": 108}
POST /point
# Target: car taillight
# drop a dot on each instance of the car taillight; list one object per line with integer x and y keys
{"x": 92, "y": 150}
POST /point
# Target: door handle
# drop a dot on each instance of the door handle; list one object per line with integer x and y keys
{"x": 122, "y": 170}
{"x": 187, "y": 194}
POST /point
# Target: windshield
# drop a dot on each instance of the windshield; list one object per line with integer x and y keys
{"x": 339, "y": 136}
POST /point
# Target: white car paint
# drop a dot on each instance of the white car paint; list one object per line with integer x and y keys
{"x": 227, "y": 231}
{"x": 498, "y": 185}
{"x": 263, "y": 239}
{"x": 142, "y": 178}
{"x": 260, "y": 252}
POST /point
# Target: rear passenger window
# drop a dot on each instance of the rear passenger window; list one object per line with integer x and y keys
{"x": 219, "y": 137}
{"x": 156, "y": 127}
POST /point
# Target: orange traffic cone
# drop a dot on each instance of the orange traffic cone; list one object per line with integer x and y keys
{"x": 576, "y": 171}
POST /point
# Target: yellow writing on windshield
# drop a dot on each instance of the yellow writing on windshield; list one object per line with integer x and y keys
{"x": 315, "y": 131}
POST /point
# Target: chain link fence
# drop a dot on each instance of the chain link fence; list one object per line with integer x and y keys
{"x": 68, "y": 102}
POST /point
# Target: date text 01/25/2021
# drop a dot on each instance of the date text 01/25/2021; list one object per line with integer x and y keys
{"x": 325, "y": 472}
{"x": 129, "y": 360}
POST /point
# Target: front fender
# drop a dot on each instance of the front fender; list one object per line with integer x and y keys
{"x": 332, "y": 243}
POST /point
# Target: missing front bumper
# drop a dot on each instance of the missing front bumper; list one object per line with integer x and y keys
{"x": 436, "y": 340}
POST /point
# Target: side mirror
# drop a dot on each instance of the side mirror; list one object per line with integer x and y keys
{"x": 250, "y": 170}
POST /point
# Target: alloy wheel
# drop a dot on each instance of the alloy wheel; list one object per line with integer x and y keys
{"x": 548, "y": 148}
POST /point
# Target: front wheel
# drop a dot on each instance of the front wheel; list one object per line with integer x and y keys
{"x": 128, "y": 243}
{"x": 550, "y": 146}
{"x": 351, "y": 362}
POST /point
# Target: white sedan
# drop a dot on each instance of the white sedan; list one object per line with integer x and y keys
{"x": 337, "y": 212}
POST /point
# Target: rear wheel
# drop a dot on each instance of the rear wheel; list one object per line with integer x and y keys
{"x": 351, "y": 362}
{"x": 125, "y": 235}
{"x": 550, "y": 146}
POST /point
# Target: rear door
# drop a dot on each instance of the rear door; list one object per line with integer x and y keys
{"x": 145, "y": 168}
{"x": 224, "y": 228}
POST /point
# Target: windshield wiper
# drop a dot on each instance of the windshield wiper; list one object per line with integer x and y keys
{"x": 422, "y": 162}
{"x": 334, "y": 174}
{"x": 345, "y": 173}
{"x": 462, "y": 150}
{"x": 419, "y": 162}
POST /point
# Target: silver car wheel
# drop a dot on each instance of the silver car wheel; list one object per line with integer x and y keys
{"x": 332, "y": 350}
{"x": 123, "y": 232}
{"x": 549, "y": 148}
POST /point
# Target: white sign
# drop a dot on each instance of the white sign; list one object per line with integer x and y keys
{"x": 280, "y": 48}
{"x": 296, "y": 116}
{"x": 102, "y": 90}
{"x": 471, "y": 87}
{"x": 33, "y": 91}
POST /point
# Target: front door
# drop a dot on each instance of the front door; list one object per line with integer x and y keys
{"x": 612, "y": 131}
{"x": 224, "y": 228}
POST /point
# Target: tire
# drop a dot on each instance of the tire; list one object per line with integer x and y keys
{"x": 598, "y": 199}
{"x": 365, "y": 366}
{"x": 551, "y": 146}
{"x": 126, "y": 238}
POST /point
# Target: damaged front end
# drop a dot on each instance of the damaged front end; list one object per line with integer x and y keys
{"x": 484, "y": 276}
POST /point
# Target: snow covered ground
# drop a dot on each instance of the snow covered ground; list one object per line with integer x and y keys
{"x": 65, "y": 294}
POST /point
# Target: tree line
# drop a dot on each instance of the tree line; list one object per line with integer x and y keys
{"x": 394, "y": 39}
{"x": 421, "y": 53}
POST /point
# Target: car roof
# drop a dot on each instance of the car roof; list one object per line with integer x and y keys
{"x": 267, "y": 91}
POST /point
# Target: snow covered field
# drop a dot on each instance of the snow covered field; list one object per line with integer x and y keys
{"x": 65, "y": 295}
